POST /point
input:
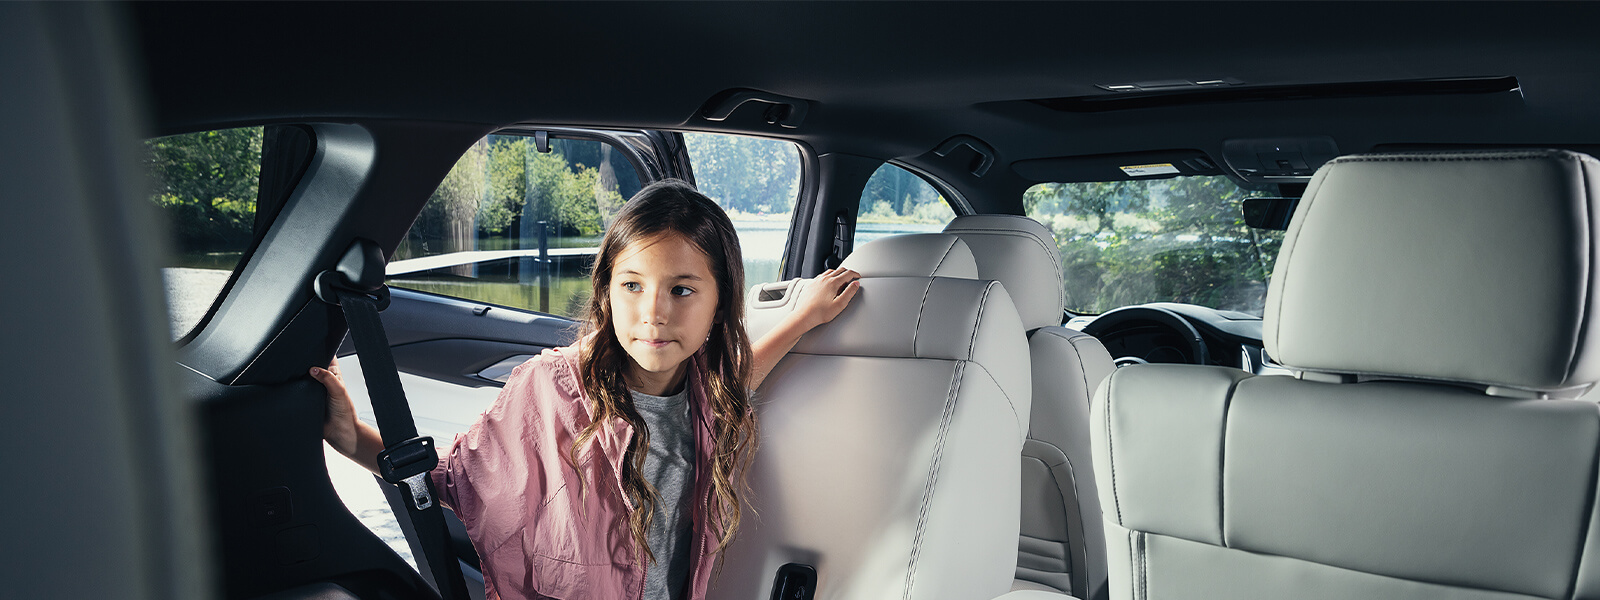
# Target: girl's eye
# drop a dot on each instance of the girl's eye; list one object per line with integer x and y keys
{"x": 681, "y": 291}
{"x": 632, "y": 286}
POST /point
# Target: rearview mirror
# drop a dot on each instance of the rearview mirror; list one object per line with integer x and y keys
{"x": 1269, "y": 213}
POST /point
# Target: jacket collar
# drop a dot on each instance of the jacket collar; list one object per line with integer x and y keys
{"x": 614, "y": 437}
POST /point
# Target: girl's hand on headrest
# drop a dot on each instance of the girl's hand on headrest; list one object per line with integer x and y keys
{"x": 826, "y": 296}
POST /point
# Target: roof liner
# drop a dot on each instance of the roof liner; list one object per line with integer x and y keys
{"x": 886, "y": 79}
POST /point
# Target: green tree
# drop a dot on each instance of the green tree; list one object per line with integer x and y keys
{"x": 206, "y": 183}
{"x": 453, "y": 208}
{"x": 508, "y": 183}
{"x": 569, "y": 196}
{"x": 1178, "y": 240}
{"x": 746, "y": 174}
{"x": 895, "y": 195}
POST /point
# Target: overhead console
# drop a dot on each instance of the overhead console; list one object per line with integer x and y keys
{"x": 1154, "y": 164}
{"x": 1278, "y": 160}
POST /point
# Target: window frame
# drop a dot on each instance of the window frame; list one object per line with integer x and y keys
{"x": 287, "y": 188}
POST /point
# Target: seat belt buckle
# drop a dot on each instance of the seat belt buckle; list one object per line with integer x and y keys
{"x": 408, "y": 463}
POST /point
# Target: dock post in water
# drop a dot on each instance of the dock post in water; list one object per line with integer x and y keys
{"x": 544, "y": 266}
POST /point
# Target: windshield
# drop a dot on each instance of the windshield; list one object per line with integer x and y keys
{"x": 1166, "y": 240}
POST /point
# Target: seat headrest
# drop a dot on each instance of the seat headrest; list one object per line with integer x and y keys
{"x": 1464, "y": 267}
{"x": 1020, "y": 253}
{"x": 914, "y": 255}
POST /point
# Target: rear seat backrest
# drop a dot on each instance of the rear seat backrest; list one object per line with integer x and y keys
{"x": 889, "y": 437}
{"x": 1062, "y": 543}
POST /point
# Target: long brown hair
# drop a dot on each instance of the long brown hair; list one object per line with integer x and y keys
{"x": 672, "y": 207}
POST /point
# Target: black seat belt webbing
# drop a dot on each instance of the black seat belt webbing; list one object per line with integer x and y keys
{"x": 407, "y": 458}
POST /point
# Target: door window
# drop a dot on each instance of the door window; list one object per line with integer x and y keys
{"x": 205, "y": 184}
{"x": 516, "y": 226}
{"x": 756, "y": 181}
{"x": 897, "y": 201}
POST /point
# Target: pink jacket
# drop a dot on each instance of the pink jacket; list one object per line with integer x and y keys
{"x": 537, "y": 535}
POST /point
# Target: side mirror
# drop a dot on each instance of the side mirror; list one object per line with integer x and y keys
{"x": 1269, "y": 213}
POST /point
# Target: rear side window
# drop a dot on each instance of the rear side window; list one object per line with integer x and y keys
{"x": 480, "y": 235}
{"x": 205, "y": 184}
{"x": 897, "y": 201}
{"x": 756, "y": 181}
{"x": 514, "y": 226}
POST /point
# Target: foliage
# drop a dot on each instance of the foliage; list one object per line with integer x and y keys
{"x": 503, "y": 181}
{"x": 895, "y": 195}
{"x": 746, "y": 174}
{"x": 1173, "y": 240}
{"x": 206, "y": 184}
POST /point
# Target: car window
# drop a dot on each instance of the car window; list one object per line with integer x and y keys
{"x": 517, "y": 227}
{"x": 205, "y": 184}
{"x": 1166, "y": 240}
{"x": 897, "y": 201}
{"x": 756, "y": 181}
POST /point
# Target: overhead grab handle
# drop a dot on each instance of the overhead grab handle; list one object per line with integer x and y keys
{"x": 985, "y": 153}
{"x": 783, "y": 111}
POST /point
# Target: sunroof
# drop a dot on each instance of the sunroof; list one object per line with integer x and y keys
{"x": 1127, "y": 100}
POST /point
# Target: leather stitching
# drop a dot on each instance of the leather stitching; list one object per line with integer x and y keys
{"x": 1144, "y": 568}
{"x": 933, "y": 475}
{"x": 916, "y": 329}
{"x": 1578, "y": 340}
{"x": 1136, "y": 550}
{"x": 1133, "y": 564}
{"x": 1013, "y": 405}
{"x": 947, "y": 249}
{"x": 1111, "y": 455}
{"x": 983, "y": 302}
{"x": 1083, "y": 369}
{"x": 1222, "y": 465}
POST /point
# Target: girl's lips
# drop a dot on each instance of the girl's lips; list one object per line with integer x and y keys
{"x": 656, "y": 343}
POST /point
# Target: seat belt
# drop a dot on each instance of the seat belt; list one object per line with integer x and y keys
{"x": 356, "y": 286}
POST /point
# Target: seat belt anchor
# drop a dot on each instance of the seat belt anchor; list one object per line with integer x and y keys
{"x": 408, "y": 463}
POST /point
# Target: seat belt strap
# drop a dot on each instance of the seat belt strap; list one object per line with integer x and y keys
{"x": 406, "y": 458}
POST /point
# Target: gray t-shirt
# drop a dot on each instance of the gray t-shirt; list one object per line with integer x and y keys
{"x": 670, "y": 468}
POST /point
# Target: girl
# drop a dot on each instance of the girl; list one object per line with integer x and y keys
{"x": 614, "y": 468}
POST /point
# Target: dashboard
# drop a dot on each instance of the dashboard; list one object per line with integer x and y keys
{"x": 1169, "y": 332}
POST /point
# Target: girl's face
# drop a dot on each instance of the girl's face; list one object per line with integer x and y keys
{"x": 663, "y": 303}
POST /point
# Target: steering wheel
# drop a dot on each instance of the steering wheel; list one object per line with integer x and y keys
{"x": 1130, "y": 320}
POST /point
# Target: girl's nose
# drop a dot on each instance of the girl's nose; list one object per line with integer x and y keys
{"x": 655, "y": 310}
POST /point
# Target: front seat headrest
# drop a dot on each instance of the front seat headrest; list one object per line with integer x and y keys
{"x": 1464, "y": 267}
{"x": 1020, "y": 253}
{"x": 914, "y": 255}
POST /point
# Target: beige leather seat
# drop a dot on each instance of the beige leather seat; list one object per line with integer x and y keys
{"x": 889, "y": 437}
{"x": 1437, "y": 308}
{"x": 1062, "y": 545}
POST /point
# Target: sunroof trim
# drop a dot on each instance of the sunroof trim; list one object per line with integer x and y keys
{"x": 1126, "y": 100}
